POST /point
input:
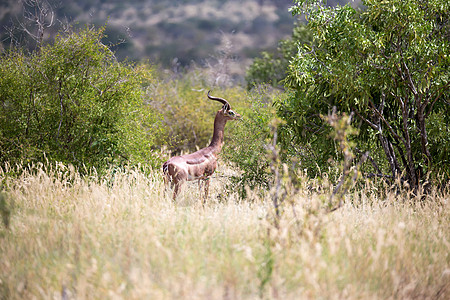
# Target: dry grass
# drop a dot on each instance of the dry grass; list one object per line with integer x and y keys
{"x": 119, "y": 237}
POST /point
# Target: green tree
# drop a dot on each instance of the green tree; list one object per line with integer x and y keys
{"x": 389, "y": 65}
{"x": 73, "y": 102}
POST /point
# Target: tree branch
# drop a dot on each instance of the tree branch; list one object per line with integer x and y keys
{"x": 441, "y": 91}
{"x": 409, "y": 81}
{"x": 372, "y": 161}
{"x": 386, "y": 122}
{"x": 364, "y": 119}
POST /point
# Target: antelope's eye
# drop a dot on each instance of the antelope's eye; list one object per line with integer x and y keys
{"x": 231, "y": 113}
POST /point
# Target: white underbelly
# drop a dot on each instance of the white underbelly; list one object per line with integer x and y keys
{"x": 192, "y": 177}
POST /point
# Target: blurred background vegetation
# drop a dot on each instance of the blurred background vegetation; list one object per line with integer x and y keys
{"x": 173, "y": 34}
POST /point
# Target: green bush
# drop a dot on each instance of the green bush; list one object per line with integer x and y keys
{"x": 246, "y": 145}
{"x": 72, "y": 101}
{"x": 188, "y": 115}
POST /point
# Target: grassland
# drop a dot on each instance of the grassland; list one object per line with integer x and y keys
{"x": 119, "y": 237}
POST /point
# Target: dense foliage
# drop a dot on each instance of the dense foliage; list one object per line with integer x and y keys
{"x": 387, "y": 64}
{"x": 247, "y": 143}
{"x": 73, "y": 102}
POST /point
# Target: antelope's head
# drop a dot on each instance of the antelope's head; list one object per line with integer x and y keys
{"x": 226, "y": 110}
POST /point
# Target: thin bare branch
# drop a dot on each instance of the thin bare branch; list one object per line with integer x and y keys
{"x": 386, "y": 122}
{"x": 372, "y": 161}
{"x": 374, "y": 126}
{"x": 409, "y": 81}
{"x": 440, "y": 92}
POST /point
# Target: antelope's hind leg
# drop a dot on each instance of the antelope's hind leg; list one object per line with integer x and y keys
{"x": 173, "y": 179}
{"x": 169, "y": 183}
{"x": 174, "y": 186}
{"x": 177, "y": 189}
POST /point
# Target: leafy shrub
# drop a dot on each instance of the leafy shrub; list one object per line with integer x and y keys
{"x": 188, "y": 115}
{"x": 246, "y": 146}
{"x": 73, "y": 102}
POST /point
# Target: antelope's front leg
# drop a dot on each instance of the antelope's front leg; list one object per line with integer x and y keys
{"x": 200, "y": 182}
{"x": 206, "y": 190}
{"x": 203, "y": 196}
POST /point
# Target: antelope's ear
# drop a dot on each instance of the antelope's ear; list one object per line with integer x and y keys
{"x": 226, "y": 107}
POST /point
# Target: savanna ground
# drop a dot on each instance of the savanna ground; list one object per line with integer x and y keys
{"x": 118, "y": 236}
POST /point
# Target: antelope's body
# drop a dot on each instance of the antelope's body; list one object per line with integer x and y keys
{"x": 199, "y": 165}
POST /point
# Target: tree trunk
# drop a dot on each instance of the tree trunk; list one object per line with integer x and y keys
{"x": 388, "y": 151}
{"x": 423, "y": 134}
{"x": 412, "y": 178}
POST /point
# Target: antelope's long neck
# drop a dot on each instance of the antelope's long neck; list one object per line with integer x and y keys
{"x": 217, "y": 139}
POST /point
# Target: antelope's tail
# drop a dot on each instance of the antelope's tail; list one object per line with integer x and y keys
{"x": 165, "y": 168}
{"x": 166, "y": 175}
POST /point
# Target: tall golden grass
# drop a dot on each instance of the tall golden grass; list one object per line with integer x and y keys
{"x": 120, "y": 237}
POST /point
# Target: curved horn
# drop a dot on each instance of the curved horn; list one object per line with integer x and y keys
{"x": 225, "y": 103}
